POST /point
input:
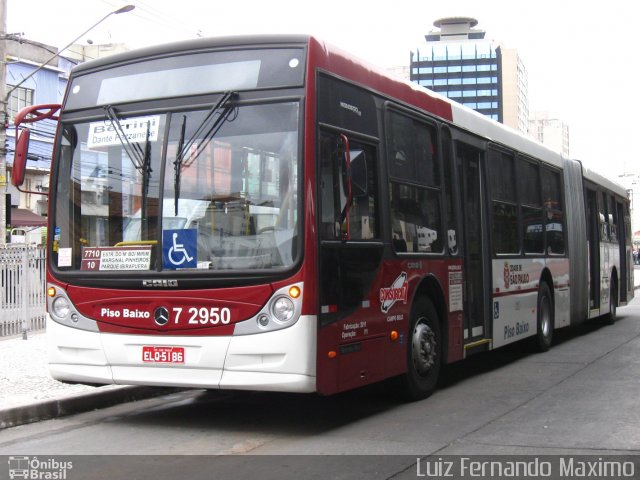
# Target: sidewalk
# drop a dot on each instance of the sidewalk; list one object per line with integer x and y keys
{"x": 23, "y": 374}
{"x": 28, "y": 394}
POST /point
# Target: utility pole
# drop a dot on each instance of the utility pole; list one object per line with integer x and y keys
{"x": 4, "y": 122}
{"x": 5, "y": 94}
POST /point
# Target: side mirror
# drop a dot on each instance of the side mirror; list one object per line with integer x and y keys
{"x": 20, "y": 158}
{"x": 30, "y": 114}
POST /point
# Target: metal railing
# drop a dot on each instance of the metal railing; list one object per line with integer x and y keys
{"x": 22, "y": 289}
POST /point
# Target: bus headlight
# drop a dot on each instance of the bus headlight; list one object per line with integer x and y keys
{"x": 60, "y": 307}
{"x": 283, "y": 309}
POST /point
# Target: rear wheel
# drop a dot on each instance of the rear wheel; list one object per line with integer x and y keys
{"x": 424, "y": 351}
{"x": 610, "y": 318}
{"x": 545, "y": 319}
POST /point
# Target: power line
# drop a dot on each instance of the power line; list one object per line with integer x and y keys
{"x": 170, "y": 18}
{"x": 152, "y": 14}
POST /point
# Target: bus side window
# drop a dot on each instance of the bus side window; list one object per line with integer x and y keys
{"x": 505, "y": 235}
{"x": 613, "y": 220}
{"x": 449, "y": 175}
{"x": 414, "y": 171}
{"x": 554, "y": 214}
{"x": 363, "y": 224}
{"x": 603, "y": 215}
{"x": 362, "y": 214}
{"x": 531, "y": 206}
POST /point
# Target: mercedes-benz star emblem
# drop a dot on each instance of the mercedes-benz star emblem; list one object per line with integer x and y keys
{"x": 161, "y": 316}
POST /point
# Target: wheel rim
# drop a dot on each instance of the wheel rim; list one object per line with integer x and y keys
{"x": 424, "y": 347}
{"x": 545, "y": 316}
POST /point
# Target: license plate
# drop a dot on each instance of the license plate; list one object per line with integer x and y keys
{"x": 152, "y": 354}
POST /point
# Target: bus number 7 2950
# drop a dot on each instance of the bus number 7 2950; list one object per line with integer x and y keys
{"x": 203, "y": 315}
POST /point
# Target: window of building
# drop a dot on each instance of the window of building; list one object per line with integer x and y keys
{"x": 19, "y": 99}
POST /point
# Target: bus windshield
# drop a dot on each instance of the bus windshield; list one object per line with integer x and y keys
{"x": 208, "y": 189}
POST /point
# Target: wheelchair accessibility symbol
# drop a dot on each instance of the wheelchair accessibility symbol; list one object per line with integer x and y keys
{"x": 179, "y": 248}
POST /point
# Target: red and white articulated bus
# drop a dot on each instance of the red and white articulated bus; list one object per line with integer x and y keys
{"x": 270, "y": 213}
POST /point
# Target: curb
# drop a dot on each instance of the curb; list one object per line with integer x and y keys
{"x": 78, "y": 403}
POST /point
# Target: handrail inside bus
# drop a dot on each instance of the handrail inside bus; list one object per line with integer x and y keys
{"x": 131, "y": 243}
{"x": 349, "y": 200}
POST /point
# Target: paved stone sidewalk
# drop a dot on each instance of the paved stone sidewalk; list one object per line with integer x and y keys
{"x": 24, "y": 377}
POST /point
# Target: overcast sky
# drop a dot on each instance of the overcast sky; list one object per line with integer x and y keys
{"x": 581, "y": 57}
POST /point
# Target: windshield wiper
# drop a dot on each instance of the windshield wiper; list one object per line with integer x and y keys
{"x": 210, "y": 124}
{"x": 177, "y": 165}
{"x": 134, "y": 151}
{"x": 146, "y": 176}
{"x": 141, "y": 158}
{"x": 214, "y": 119}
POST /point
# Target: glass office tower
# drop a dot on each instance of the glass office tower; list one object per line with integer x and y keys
{"x": 460, "y": 64}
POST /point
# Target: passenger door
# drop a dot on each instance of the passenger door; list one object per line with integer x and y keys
{"x": 474, "y": 244}
{"x": 350, "y": 259}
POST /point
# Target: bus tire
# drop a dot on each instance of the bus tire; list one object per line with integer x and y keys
{"x": 545, "y": 319}
{"x": 424, "y": 351}
{"x": 610, "y": 318}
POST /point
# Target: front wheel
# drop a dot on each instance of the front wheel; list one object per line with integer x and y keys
{"x": 424, "y": 351}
